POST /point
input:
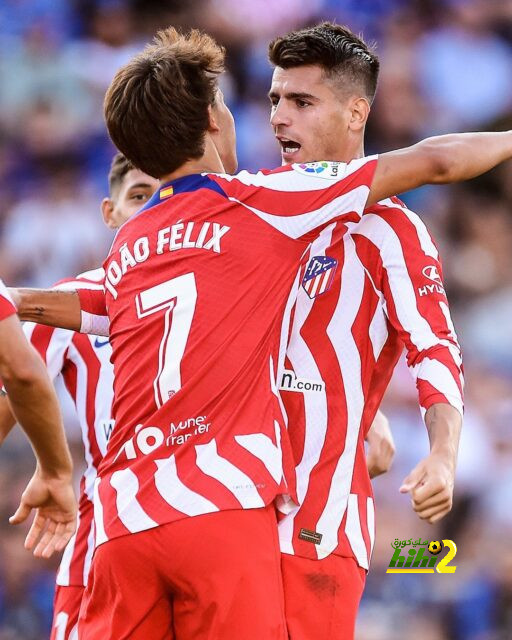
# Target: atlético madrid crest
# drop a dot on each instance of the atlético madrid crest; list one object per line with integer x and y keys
{"x": 319, "y": 275}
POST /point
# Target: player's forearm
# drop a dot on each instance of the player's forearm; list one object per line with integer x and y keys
{"x": 444, "y": 424}
{"x": 49, "y": 306}
{"x": 34, "y": 403}
{"x": 7, "y": 420}
{"x": 439, "y": 160}
{"x": 464, "y": 156}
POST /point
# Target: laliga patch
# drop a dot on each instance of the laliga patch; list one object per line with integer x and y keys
{"x": 319, "y": 275}
{"x": 327, "y": 170}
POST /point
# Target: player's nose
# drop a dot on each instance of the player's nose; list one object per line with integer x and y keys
{"x": 280, "y": 115}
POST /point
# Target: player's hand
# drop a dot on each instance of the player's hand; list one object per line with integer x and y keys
{"x": 431, "y": 484}
{"x": 54, "y": 523}
{"x": 381, "y": 447}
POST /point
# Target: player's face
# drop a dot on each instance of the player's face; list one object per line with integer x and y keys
{"x": 226, "y": 140}
{"x": 136, "y": 189}
{"x": 311, "y": 120}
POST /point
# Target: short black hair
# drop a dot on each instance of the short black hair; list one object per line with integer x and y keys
{"x": 333, "y": 47}
{"x": 119, "y": 167}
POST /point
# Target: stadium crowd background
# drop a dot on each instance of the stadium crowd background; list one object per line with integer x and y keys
{"x": 446, "y": 66}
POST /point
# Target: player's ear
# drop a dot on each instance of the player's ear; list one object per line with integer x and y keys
{"x": 360, "y": 110}
{"x": 213, "y": 127}
{"x": 107, "y": 211}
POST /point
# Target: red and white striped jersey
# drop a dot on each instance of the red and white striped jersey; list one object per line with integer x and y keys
{"x": 7, "y": 307}
{"x": 84, "y": 363}
{"x": 197, "y": 284}
{"x": 365, "y": 293}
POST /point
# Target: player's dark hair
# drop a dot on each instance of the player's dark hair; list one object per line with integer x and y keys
{"x": 119, "y": 167}
{"x": 344, "y": 57}
{"x": 156, "y": 107}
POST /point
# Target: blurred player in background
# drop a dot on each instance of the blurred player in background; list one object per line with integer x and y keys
{"x": 35, "y": 405}
{"x": 364, "y": 295}
{"x": 205, "y": 397}
{"x": 84, "y": 363}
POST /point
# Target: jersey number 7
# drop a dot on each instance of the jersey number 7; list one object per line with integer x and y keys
{"x": 176, "y": 298}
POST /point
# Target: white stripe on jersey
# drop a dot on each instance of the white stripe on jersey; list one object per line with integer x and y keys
{"x": 235, "y": 480}
{"x": 378, "y": 331}
{"x": 370, "y": 517}
{"x": 129, "y": 510}
{"x": 101, "y": 535}
{"x": 82, "y": 382}
{"x": 375, "y": 228}
{"x": 90, "y": 550}
{"x": 347, "y": 307}
{"x": 354, "y": 533}
{"x": 177, "y": 494}
{"x": 440, "y": 377}
{"x": 296, "y": 226}
{"x": 297, "y": 179}
{"x": 426, "y": 243}
{"x": 262, "y": 447}
{"x": 65, "y": 563}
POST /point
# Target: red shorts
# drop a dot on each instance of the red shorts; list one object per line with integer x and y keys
{"x": 209, "y": 577}
{"x": 66, "y": 606}
{"x": 321, "y": 596}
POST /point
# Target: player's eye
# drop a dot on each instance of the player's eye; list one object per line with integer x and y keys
{"x": 140, "y": 197}
{"x": 302, "y": 103}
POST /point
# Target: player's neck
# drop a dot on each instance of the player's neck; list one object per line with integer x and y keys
{"x": 209, "y": 162}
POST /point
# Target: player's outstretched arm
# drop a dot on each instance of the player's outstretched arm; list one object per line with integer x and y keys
{"x": 381, "y": 447}
{"x": 34, "y": 403}
{"x": 439, "y": 160}
{"x": 56, "y": 308}
{"x": 431, "y": 482}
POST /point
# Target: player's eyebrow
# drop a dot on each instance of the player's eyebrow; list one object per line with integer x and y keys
{"x": 140, "y": 185}
{"x": 293, "y": 95}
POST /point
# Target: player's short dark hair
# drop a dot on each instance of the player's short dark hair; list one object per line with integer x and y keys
{"x": 156, "y": 107}
{"x": 343, "y": 56}
{"x": 119, "y": 167}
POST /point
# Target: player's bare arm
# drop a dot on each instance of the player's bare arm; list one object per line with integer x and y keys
{"x": 439, "y": 160}
{"x": 34, "y": 403}
{"x": 381, "y": 446}
{"x": 55, "y": 308}
{"x": 431, "y": 482}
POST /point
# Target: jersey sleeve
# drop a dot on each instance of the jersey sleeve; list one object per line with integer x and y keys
{"x": 7, "y": 306}
{"x": 94, "y": 312}
{"x": 408, "y": 271}
{"x": 301, "y": 199}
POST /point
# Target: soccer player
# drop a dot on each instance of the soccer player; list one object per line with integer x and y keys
{"x": 368, "y": 289}
{"x": 35, "y": 405}
{"x": 197, "y": 286}
{"x": 84, "y": 363}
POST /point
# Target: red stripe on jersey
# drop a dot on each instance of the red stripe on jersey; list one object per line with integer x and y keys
{"x": 41, "y": 338}
{"x": 430, "y": 395}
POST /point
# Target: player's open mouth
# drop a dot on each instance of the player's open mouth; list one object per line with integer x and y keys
{"x": 289, "y": 146}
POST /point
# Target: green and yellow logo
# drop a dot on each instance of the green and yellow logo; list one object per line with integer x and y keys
{"x": 417, "y": 560}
